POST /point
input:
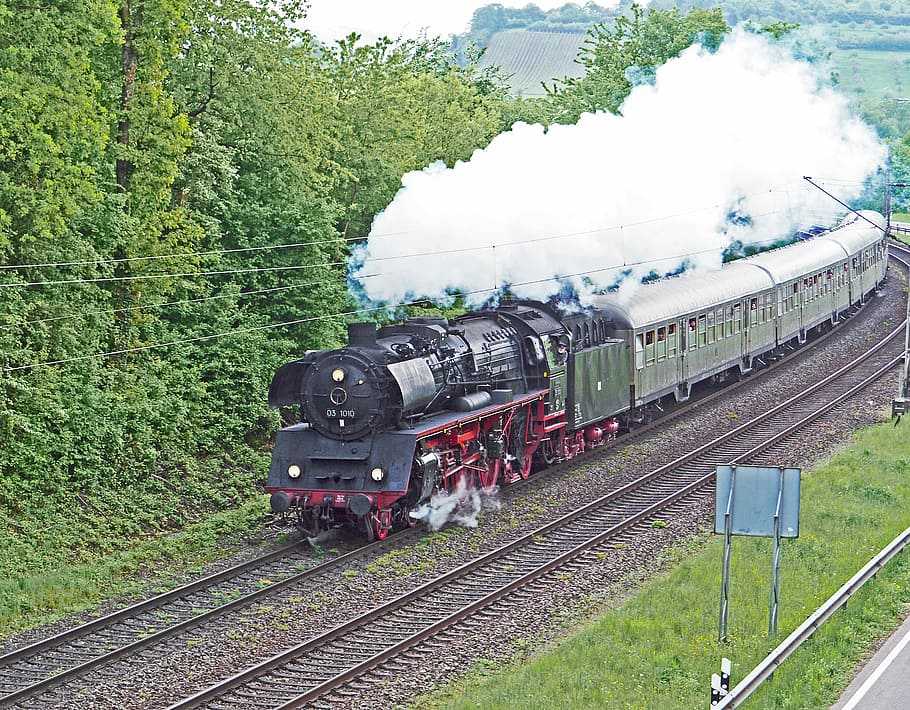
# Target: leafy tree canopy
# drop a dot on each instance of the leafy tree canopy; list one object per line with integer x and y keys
{"x": 635, "y": 45}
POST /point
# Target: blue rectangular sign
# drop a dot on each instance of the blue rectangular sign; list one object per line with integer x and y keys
{"x": 756, "y": 491}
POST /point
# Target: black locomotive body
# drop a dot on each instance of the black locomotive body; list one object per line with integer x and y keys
{"x": 432, "y": 405}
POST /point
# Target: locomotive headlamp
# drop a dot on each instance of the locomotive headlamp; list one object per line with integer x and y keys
{"x": 338, "y": 374}
{"x": 294, "y": 471}
{"x": 377, "y": 474}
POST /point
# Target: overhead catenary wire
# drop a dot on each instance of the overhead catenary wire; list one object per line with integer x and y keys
{"x": 298, "y": 321}
{"x": 319, "y": 242}
{"x": 268, "y": 326}
{"x": 332, "y": 264}
{"x": 242, "y": 294}
{"x": 147, "y": 306}
{"x": 365, "y": 276}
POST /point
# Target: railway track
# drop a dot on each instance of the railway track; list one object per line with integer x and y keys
{"x": 332, "y": 663}
{"x": 29, "y": 672}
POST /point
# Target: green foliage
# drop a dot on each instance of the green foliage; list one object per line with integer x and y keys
{"x": 570, "y": 17}
{"x": 404, "y": 105}
{"x": 53, "y": 123}
{"x": 180, "y": 182}
{"x": 630, "y": 52}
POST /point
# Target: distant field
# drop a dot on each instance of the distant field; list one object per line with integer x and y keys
{"x": 534, "y": 57}
{"x": 874, "y": 74}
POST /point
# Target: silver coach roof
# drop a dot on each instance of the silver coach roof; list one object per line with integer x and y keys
{"x": 832, "y": 247}
{"x": 859, "y": 234}
{"x": 798, "y": 259}
{"x": 684, "y": 295}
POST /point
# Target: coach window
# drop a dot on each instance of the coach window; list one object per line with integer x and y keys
{"x": 702, "y": 330}
{"x": 661, "y": 343}
{"x": 671, "y": 340}
{"x": 649, "y": 347}
{"x": 769, "y": 307}
{"x": 737, "y": 318}
{"x": 720, "y": 323}
{"x": 753, "y": 311}
{"x": 639, "y": 352}
{"x": 691, "y": 338}
{"x": 710, "y": 327}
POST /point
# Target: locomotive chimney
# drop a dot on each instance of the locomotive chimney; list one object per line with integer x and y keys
{"x": 362, "y": 334}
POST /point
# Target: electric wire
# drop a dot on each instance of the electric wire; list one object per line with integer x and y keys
{"x": 625, "y": 264}
{"x": 148, "y": 306}
{"x": 348, "y": 240}
{"x": 333, "y": 264}
{"x": 268, "y": 326}
{"x": 360, "y": 311}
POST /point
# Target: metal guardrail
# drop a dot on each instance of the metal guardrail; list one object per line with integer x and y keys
{"x": 773, "y": 660}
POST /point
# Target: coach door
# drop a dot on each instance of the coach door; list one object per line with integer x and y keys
{"x": 685, "y": 337}
{"x": 748, "y": 322}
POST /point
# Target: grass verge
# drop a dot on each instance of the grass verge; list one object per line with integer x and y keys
{"x": 56, "y": 563}
{"x": 659, "y": 649}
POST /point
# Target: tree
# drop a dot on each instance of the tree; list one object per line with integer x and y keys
{"x": 639, "y": 42}
{"x": 402, "y": 106}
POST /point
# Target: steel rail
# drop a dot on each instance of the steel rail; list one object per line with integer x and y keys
{"x": 158, "y": 601}
{"x": 643, "y": 516}
{"x": 26, "y": 654}
{"x": 281, "y": 659}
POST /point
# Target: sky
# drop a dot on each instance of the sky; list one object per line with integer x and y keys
{"x": 333, "y": 19}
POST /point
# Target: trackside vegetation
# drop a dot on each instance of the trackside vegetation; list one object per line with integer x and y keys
{"x": 181, "y": 185}
{"x": 658, "y": 649}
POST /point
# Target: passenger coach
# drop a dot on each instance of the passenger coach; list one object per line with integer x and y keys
{"x": 684, "y": 330}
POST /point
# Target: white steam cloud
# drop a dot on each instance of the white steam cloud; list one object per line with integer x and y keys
{"x": 462, "y": 506}
{"x": 714, "y": 151}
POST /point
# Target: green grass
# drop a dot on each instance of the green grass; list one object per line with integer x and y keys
{"x": 56, "y": 584}
{"x": 659, "y": 649}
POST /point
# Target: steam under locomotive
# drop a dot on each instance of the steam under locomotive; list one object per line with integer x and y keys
{"x": 431, "y": 405}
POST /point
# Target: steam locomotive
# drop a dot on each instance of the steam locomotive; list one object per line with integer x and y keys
{"x": 431, "y": 405}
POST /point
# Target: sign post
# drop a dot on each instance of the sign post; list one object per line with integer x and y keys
{"x": 757, "y": 501}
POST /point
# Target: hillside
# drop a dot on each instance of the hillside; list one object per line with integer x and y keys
{"x": 530, "y": 57}
{"x": 869, "y": 41}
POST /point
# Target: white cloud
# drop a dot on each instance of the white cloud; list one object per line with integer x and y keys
{"x": 731, "y": 131}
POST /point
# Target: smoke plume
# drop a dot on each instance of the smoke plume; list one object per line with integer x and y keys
{"x": 461, "y": 506}
{"x": 712, "y": 152}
